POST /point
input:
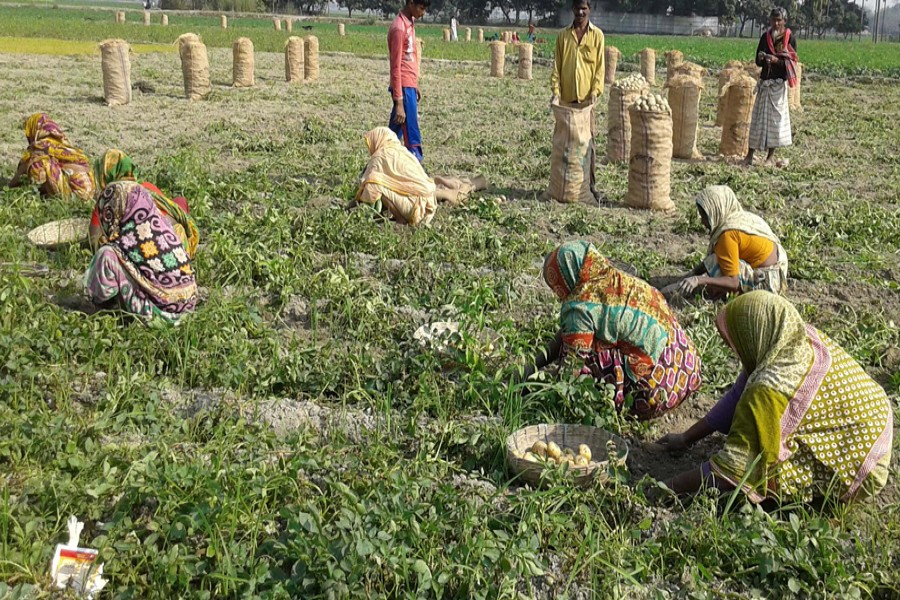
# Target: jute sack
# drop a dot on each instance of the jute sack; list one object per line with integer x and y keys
{"x": 165, "y": 20}
{"x": 480, "y": 36}
{"x": 673, "y": 59}
{"x": 195, "y": 68}
{"x": 525, "y": 53}
{"x": 794, "y": 92}
{"x": 684, "y": 99}
{"x": 120, "y": 16}
{"x": 184, "y": 38}
{"x": 752, "y": 70}
{"x": 146, "y": 17}
{"x": 223, "y": 21}
{"x": 612, "y": 61}
{"x": 293, "y": 59}
{"x": 468, "y": 34}
{"x": 342, "y": 29}
{"x": 446, "y": 34}
{"x": 311, "y": 58}
{"x": 618, "y": 121}
{"x": 116, "y": 65}
{"x": 571, "y": 155}
{"x": 726, "y": 75}
{"x": 650, "y": 161}
{"x": 421, "y": 44}
{"x": 498, "y": 58}
{"x": 242, "y": 51}
{"x": 277, "y": 24}
{"x": 289, "y": 25}
{"x": 739, "y": 95}
{"x": 648, "y": 65}
{"x": 691, "y": 70}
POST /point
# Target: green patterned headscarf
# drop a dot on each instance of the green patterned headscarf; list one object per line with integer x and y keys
{"x": 114, "y": 166}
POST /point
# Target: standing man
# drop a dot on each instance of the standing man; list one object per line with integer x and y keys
{"x": 578, "y": 71}
{"x": 776, "y": 53}
{"x": 404, "y": 88}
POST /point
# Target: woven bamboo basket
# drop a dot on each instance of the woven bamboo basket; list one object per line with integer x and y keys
{"x": 60, "y": 233}
{"x": 565, "y": 436}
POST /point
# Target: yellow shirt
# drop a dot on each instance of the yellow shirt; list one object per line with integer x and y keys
{"x": 734, "y": 246}
{"x": 578, "y": 73}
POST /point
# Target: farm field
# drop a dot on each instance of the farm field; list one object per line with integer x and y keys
{"x": 367, "y": 38}
{"x": 292, "y": 440}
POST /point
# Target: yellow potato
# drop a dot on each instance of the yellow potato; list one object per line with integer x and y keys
{"x": 585, "y": 451}
{"x": 553, "y": 451}
{"x": 531, "y": 457}
{"x": 581, "y": 461}
{"x": 539, "y": 448}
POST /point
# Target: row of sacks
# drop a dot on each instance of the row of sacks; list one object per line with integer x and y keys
{"x": 301, "y": 63}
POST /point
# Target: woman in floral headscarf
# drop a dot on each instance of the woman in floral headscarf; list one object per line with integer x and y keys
{"x": 618, "y": 329}
{"x": 803, "y": 419}
{"x": 141, "y": 266}
{"x": 118, "y": 166}
{"x": 52, "y": 163}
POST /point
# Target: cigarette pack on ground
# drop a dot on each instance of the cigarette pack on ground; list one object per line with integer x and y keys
{"x": 75, "y": 568}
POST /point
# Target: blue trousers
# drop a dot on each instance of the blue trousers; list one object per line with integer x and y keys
{"x": 409, "y": 132}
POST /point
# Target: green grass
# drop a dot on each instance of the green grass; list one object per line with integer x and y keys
{"x": 214, "y": 459}
{"x": 66, "y": 47}
{"x": 825, "y": 57}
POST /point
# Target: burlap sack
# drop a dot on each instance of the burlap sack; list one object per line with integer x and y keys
{"x": 146, "y": 17}
{"x": 342, "y": 29}
{"x": 446, "y": 34}
{"x": 691, "y": 70}
{"x": 739, "y": 94}
{"x": 673, "y": 59}
{"x": 525, "y": 53}
{"x": 116, "y": 64}
{"x": 726, "y": 75}
{"x": 684, "y": 99}
{"x": 242, "y": 51}
{"x": 794, "y": 92}
{"x": 571, "y": 154}
{"x": 293, "y": 60}
{"x": 311, "y": 58}
{"x": 498, "y": 58}
{"x": 612, "y": 61}
{"x": 277, "y": 24}
{"x": 468, "y": 34}
{"x": 648, "y": 65}
{"x": 650, "y": 161}
{"x": 184, "y": 38}
{"x": 120, "y": 16}
{"x": 223, "y": 21}
{"x": 289, "y": 25}
{"x": 480, "y": 36}
{"x": 165, "y": 20}
{"x": 421, "y": 44}
{"x": 618, "y": 122}
{"x": 195, "y": 68}
{"x": 752, "y": 70}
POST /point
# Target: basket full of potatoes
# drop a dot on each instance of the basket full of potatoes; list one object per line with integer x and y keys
{"x": 584, "y": 451}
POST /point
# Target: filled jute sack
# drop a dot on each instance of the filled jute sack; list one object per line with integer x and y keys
{"x": 525, "y": 59}
{"x": 195, "y": 68}
{"x": 794, "y": 92}
{"x": 293, "y": 60}
{"x": 277, "y": 24}
{"x": 342, "y": 29}
{"x": 120, "y": 16}
{"x": 116, "y": 64}
{"x": 165, "y": 20}
{"x": 223, "y": 21}
{"x": 684, "y": 99}
{"x": 612, "y": 61}
{"x": 673, "y": 59}
{"x": 446, "y": 34}
{"x": 570, "y": 155}
{"x": 289, "y": 25}
{"x": 146, "y": 17}
{"x": 618, "y": 122}
{"x": 311, "y": 58}
{"x": 242, "y": 51}
{"x": 690, "y": 69}
{"x": 726, "y": 75}
{"x": 421, "y": 44}
{"x": 481, "y": 36}
{"x": 468, "y": 34}
{"x": 650, "y": 161}
{"x": 498, "y": 58}
{"x": 752, "y": 70}
{"x": 648, "y": 65}
{"x": 739, "y": 94}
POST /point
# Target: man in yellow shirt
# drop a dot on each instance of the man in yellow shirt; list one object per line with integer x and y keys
{"x": 578, "y": 71}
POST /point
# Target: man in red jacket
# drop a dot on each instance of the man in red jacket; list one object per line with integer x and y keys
{"x": 404, "y": 87}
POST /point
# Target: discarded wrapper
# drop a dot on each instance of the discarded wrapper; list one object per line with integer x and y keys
{"x": 73, "y": 567}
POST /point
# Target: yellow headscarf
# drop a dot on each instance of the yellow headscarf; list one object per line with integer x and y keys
{"x": 393, "y": 166}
